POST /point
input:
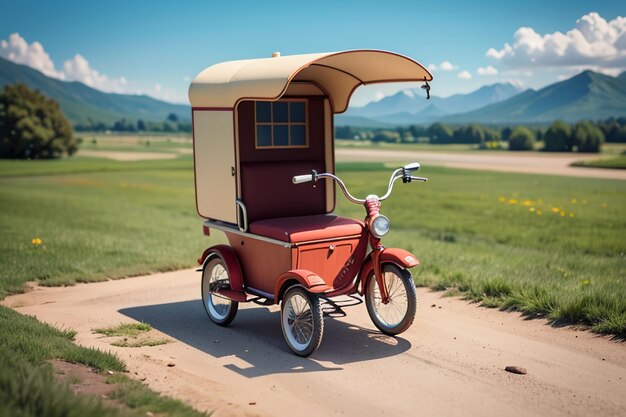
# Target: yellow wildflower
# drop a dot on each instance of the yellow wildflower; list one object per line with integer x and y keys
{"x": 36, "y": 241}
{"x": 573, "y": 201}
{"x": 512, "y": 201}
{"x": 527, "y": 203}
{"x": 562, "y": 213}
{"x": 555, "y": 210}
{"x": 502, "y": 199}
{"x": 539, "y": 213}
{"x": 571, "y": 214}
{"x": 585, "y": 281}
{"x": 532, "y": 209}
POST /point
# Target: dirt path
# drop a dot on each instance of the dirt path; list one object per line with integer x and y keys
{"x": 449, "y": 363}
{"x": 531, "y": 162}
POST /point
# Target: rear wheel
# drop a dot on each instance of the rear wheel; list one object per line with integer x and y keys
{"x": 301, "y": 320}
{"x": 398, "y": 313}
{"x": 215, "y": 275}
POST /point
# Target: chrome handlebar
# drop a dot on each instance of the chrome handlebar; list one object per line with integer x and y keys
{"x": 402, "y": 172}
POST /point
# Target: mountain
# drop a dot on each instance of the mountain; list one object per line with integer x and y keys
{"x": 588, "y": 95}
{"x": 80, "y": 102}
{"x": 411, "y": 106}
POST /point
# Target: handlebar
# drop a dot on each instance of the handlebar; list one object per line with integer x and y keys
{"x": 299, "y": 179}
{"x": 402, "y": 172}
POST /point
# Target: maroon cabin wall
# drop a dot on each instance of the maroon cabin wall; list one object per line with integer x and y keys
{"x": 266, "y": 187}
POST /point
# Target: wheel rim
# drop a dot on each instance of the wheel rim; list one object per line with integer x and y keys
{"x": 392, "y": 313}
{"x": 217, "y": 306}
{"x": 298, "y": 321}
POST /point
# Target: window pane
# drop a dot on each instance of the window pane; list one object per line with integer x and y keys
{"x": 280, "y": 112}
{"x": 298, "y": 135}
{"x": 297, "y": 111}
{"x": 281, "y": 137}
{"x": 264, "y": 135}
{"x": 263, "y": 111}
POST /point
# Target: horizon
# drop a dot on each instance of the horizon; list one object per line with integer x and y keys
{"x": 118, "y": 54}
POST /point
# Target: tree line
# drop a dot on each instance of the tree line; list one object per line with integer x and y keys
{"x": 584, "y": 136}
{"x": 172, "y": 124}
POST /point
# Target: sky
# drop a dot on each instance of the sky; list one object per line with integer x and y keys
{"x": 157, "y": 47}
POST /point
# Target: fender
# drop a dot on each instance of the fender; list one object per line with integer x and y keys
{"x": 227, "y": 254}
{"x": 397, "y": 256}
{"x": 309, "y": 280}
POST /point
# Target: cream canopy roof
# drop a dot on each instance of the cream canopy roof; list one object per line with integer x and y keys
{"x": 338, "y": 73}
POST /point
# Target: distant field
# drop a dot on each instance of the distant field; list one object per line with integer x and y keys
{"x": 617, "y": 162}
{"x": 550, "y": 246}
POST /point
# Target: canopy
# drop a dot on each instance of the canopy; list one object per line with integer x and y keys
{"x": 336, "y": 73}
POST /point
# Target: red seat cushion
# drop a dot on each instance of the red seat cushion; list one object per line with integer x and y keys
{"x": 307, "y": 228}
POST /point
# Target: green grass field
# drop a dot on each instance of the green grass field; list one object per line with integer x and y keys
{"x": 549, "y": 246}
{"x": 616, "y": 162}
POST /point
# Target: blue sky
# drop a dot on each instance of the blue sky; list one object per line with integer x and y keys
{"x": 155, "y": 47}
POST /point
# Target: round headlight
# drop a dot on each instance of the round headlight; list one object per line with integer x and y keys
{"x": 380, "y": 226}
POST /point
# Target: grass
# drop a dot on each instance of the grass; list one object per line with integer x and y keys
{"x": 75, "y": 237}
{"x": 141, "y": 399}
{"x": 547, "y": 246}
{"x": 97, "y": 225}
{"x": 125, "y": 329}
{"x": 617, "y": 162}
{"x": 132, "y": 335}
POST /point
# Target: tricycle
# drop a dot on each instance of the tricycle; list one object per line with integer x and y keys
{"x": 264, "y": 175}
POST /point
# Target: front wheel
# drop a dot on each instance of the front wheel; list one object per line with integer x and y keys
{"x": 301, "y": 320}
{"x": 214, "y": 276}
{"x": 398, "y": 313}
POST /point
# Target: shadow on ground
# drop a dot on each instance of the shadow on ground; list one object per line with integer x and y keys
{"x": 255, "y": 337}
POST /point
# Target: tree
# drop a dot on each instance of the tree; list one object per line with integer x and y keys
{"x": 32, "y": 126}
{"x": 439, "y": 133}
{"x": 506, "y": 133}
{"x": 172, "y": 118}
{"x": 587, "y": 137}
{"x": 557, "y": 137}
{"x": 522, "y": 139}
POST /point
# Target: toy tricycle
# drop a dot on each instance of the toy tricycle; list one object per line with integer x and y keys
{"x": 264, "y": 175}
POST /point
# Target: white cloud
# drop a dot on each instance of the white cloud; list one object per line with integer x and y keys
{"x": 78, "y": 69}
{"x": 464, "y": 75}
{"x": 17, "y": 50}
{"x": 444, "y": 66}
{"x": 592, "y": 43}
{"x": 489, "y": 70}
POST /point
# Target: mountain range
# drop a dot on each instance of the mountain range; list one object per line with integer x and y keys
{"x": 80, "y": 102}
{"x": 587, "y": 95}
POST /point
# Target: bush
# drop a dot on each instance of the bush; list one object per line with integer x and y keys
{"x": 33, "y": 126}
{"x": 587, "y": 137}
{"x": 521, "y": 139}
{"x": 557, "y": 137}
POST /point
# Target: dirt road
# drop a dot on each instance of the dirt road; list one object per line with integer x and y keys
{"x": 530, "y": 163}
{"x": 449, "y": 363}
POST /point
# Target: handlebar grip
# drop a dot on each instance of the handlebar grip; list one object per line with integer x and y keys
{"x": 299, "y": 179}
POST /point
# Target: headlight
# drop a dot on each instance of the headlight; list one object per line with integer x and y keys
{"x": 380, "y": 226}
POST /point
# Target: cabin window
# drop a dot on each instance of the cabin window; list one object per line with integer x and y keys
{"x": 281, "y": 124}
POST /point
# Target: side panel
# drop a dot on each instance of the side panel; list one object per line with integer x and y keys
{"x": 335, "y": 262}
{"x": 261, "y": 262}
{"x": 214, "y": 160}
